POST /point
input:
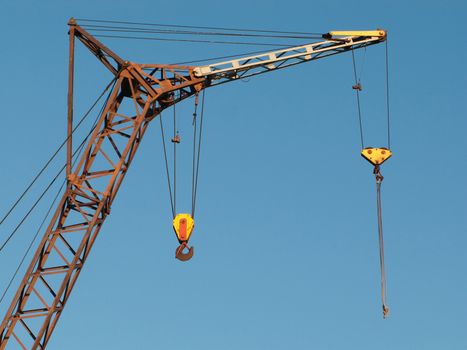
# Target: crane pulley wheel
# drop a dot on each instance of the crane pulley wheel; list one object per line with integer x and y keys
{"x": 376, "y": 156}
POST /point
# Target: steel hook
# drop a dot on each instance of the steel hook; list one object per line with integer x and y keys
{"x": 180, "y": 255}
{"x": 385, "y": 311}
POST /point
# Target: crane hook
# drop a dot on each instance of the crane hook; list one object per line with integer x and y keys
{"x": 180, "y": 255}
{"x": 385, "y": 311}
{"x": 183, "y": 225}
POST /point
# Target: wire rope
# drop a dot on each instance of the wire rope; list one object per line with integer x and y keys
{"x": 32, "y": 242}
{"x": 195, "y": 27}
{"x": 175, "y": 157}
{"x": 199, "y": 152}
{"x": 187, "y": 40}
{"x": 194, "y": 157}
{"x": 358, "y": 100}
{"x": 362, "y": 70}
{"x": 387, "y": 96}
{"x": 80, "y": 148}
{"x": 41, "y": 171}
{"x": 379, "y": 180}
{"x": 167, "y": 165}
{"x": 31, "y": 209}
{"x": 15, "y": 230}
{"x": 98, "y": 28}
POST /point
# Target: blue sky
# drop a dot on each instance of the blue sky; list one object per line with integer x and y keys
{"x": 286, "y": 235}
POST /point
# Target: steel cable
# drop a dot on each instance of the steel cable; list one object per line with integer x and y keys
{"x": 175, "y": 157}
{"x": 98, "y": 28}
{"x": 387, "y": 96}
{"x": 18, "y": 200}
{"x": 80, "y": 148}
{"x": 199, "y": 152}
{"x": 379, "y": 180}
{"x": 53, "y": 180}
{"x": 193, "y": 171}
{"x": 195, "y": 27}
{"x": 167, "y": 165}
{"x": 32, "y": 242}
{"x": 187, "y": 40}
{"x": 358, "y": 100}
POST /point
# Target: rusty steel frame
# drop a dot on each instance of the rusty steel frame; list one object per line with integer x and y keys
{"x": 92, "y": 187}
{"x": 95, "y": 180}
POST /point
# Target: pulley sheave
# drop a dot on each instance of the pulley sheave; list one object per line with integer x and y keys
{"x": 183, "y": 225}
{"x": 376, "y": 156}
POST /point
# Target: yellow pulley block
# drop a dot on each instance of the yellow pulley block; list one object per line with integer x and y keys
{"x": 376, "y": 156}
{"x": 183, "y": 225}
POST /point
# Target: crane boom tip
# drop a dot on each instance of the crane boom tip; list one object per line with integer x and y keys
{"x": 340, "y": 34}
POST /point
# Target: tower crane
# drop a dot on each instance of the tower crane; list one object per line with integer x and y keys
{"x": 139, "y": 94}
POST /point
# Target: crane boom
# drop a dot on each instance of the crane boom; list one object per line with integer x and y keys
{"x": 140, "y": 93}
{"x": 252, "y": 65}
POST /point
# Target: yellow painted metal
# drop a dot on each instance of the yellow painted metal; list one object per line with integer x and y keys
{"x": 183, "y": 225}
{"x": 372, "y": 33}
{"x": 376, "y": 156}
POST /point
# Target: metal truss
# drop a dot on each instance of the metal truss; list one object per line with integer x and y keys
{"x": 244, "y": 67}
{"x": 137, "y": 97}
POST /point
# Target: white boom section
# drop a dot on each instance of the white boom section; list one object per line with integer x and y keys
{"x": 336, "y": 42}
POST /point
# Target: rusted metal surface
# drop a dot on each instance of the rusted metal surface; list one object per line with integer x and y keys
{"x": 71, "y": 67}
{"x": 93, "y": 185}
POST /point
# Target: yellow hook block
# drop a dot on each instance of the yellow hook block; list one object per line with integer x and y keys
{"x": 376, "y": 156}
{"x": 183, "y": 225}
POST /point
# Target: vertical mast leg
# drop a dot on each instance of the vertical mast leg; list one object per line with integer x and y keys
{"x": 71, "y": 64}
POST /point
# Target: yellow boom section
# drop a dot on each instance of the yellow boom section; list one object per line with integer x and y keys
{"x": 379, "y": 33}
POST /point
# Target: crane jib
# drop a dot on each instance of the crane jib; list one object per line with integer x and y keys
{"x": 291, "y": 55}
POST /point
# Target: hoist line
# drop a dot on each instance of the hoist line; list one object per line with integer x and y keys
{"x": 39, "y": 199}
{"x": 32, "y": 242}
{"x": 77, "y": 151}
{"x": 31, "y": 209}
{"x": 175, "y": 158}
{"x": 167, "y": 166}
{"x": 187, "y": 40}
{"x": 194, "y": 156}
{"x": 18, "y": 200}
{"x": 358, "y": 100}
{"x": 98, "y": 28}
{"x": 195, "y": 27}
{"x": 379, "y": 180}
{"x": 362, "y": 66}
{"x": 387, "y": 95}
{"x": 199, "y": 152}
{"x": 76, "y": 156}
